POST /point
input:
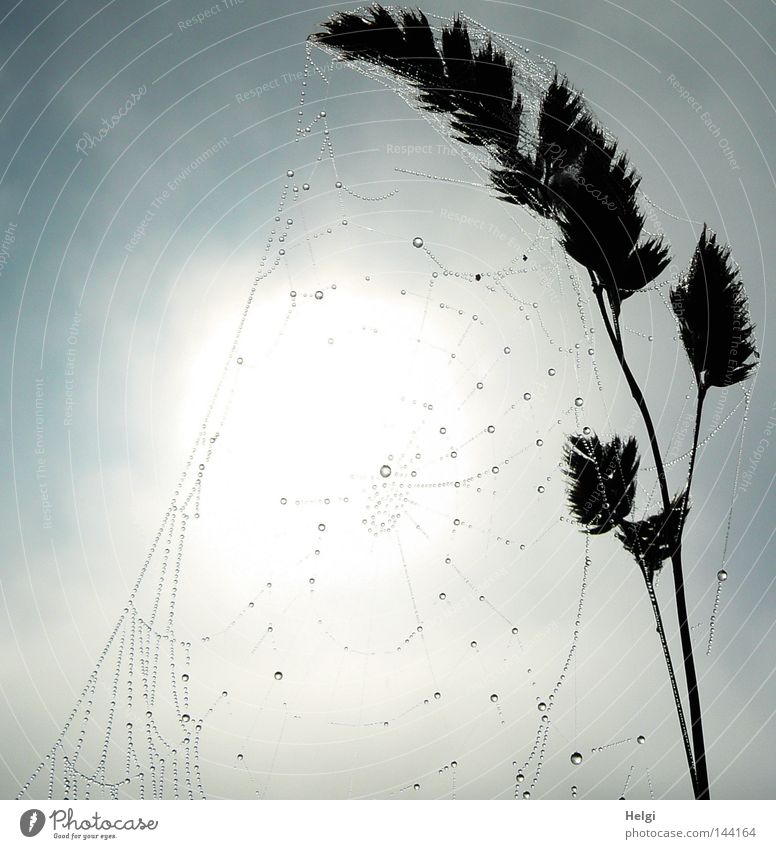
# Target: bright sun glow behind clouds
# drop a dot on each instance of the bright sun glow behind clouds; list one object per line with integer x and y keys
{"x": 369, "y": 422}
{"x": 326, "y": 391}
{"x": 372, "y": 494}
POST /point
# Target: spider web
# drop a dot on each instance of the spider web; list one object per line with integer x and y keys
{"x": 363, "y": 584}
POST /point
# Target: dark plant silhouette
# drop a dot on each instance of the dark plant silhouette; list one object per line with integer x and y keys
{"x": 567, "y": 170}
{"x": 602, "y": 480}
{"x": 711, "y": 309}
{"x": 654, "y": 540}
{"x": 601, "y": 491}
{"x": 710, "y": 306}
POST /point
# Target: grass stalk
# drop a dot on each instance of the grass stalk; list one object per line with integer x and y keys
{"x": 697, "y": 764}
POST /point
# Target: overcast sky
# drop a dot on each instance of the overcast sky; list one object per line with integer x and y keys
{"x": 144, "y": 150}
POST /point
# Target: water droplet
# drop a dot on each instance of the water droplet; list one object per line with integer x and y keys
{"x": 494, "y": 697}
{"x": 239, "y": 757}
{"x": 473, "y": 644}
{"x": 416, "y": 787}
{"x": 519, "y": 778}
{"x": 385, "y": 471}
{"x": 527, "y": 396}
{"x": 442, "y": 596}
{"x": 722, "y": 575}
{"x": 526, "y": 794}
{"x": 437, "y": 695}
{"x": 321, "y": 527}
{"x": 540, "y": 442}
{"x": 495, "y": 470}
{"x": 185, "y": 677}
{"x": 289, "y": 173}
{"x": 551, "y": 372}
{"x": 278, "y": 676}
{"x": 541, "y": 707}
{"x": 576, "y": 758}
{"x": 319, "y": 295}
{"x": 579, "y": 402}
{"x": 185, "y": 718}
{"x": 641, "y": 739}
{"x": 417, "y": 242}
{"x": 338, "y": 185}
{"x": 540, "y": 489}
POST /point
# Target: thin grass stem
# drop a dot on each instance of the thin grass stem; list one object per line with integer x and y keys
{"x": 672, "y": 677}
{"x": 693, "y": 694}
{"x": 700, "y": 780}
